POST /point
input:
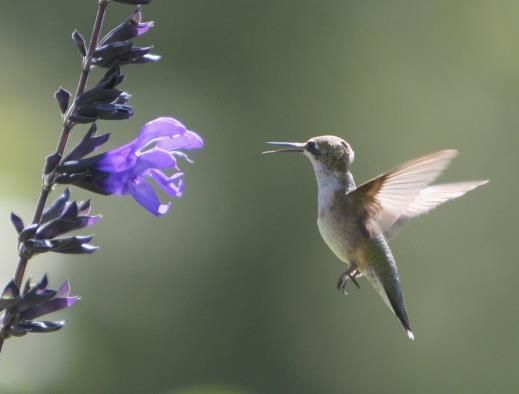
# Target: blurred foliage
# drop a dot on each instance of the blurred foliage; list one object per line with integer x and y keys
{"x": 234, "y": 291}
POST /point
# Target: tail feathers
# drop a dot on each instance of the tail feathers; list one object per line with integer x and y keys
{"x": 401, "y": 313}
{"x": 392, "y": 297}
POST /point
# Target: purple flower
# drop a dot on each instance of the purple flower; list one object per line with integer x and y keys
{"x": 128, "y": 169}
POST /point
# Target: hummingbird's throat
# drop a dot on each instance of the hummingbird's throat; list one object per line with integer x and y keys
{"x": 331, "y": 186}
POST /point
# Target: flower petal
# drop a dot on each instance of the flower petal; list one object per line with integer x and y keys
{"x": 157, "y": 128}
{"x": 144, "y": 194}
{"x": 117, "y": 160}
{"x": 188, "y": 140}
{"x": 173, "y": 185}
{"x": 154, "y": 158}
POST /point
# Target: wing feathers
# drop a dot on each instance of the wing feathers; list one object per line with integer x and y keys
{"x": 402, "y": 193}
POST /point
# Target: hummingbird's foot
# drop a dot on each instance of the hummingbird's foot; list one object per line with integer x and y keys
{"x": 341, "y": 284}
{"x": 343, "y": 280}
{"x": 353, "y": 277}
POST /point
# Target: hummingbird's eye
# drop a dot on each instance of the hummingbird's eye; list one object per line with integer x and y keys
{"x": 312, "y": 147}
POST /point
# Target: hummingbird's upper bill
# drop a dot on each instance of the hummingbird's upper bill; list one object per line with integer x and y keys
{"x": 297, "y": 147}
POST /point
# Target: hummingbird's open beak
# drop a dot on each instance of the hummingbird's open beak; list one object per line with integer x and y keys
{"x": 287, "y": 147}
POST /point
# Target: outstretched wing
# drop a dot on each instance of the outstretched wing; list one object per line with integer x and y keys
{"x": 429, "y": 198}
{"x": 402, "y": 193}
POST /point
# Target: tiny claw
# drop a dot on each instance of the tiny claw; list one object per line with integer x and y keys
{"x": 343, "y": 280}
{"x": 341, "y": 284}
{"x": 353, "y": 277}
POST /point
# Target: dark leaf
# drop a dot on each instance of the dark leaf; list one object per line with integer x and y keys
{"x": 17, "y": 222}
{"x": 62, "y": 97}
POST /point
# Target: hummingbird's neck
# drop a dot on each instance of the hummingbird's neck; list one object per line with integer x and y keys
{"x": 332, "y": 185}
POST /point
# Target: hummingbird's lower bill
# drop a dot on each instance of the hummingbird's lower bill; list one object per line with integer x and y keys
{"x": 356, "y": 222}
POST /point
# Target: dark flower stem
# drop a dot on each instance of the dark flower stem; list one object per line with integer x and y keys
{"x": 48, "y": 180}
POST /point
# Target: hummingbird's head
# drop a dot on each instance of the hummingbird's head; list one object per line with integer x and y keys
{"x": 326, "y": 152}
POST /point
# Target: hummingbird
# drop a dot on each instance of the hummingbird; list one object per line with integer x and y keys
{"x": 357, "y": 222}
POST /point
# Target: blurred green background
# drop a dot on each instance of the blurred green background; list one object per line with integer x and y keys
{"x": 234, "y": 291}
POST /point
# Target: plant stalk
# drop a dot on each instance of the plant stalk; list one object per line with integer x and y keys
{"x": 60, "y": 149}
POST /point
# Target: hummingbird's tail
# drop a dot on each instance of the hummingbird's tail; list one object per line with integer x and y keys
{"x": 392, "y": 296}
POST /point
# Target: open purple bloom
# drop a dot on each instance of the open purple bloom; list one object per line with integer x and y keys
{"x": 128, "y": 169}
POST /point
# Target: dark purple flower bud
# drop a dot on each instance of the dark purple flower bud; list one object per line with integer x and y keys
{"x": 127, "y": 169}
{"x": 129, "y": 29}
{"x": 17, "y": 222}
{"x": 69, "y": 220}
{"x": 110, "y": 52}
{"x": 34, "y": 297}
{"x": 37, "y": 300}
{"x": 96, "y": 95}
{"x": 56, "y": 208}
{"x": 60, "y": 301}
{"x": 62, "y": 97}
{"x": 78, "y": 244}
{"x": 103, "y": 101}
{"x": 35, "y": 246}
{"x": 133, "y": 1}
{"x": 60, "y": 217}
{"x": 37, "y": 327}
{"x": 122, "y": 53}
{"x": 110, "y": 111}
{"x": 80, "y": 42}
